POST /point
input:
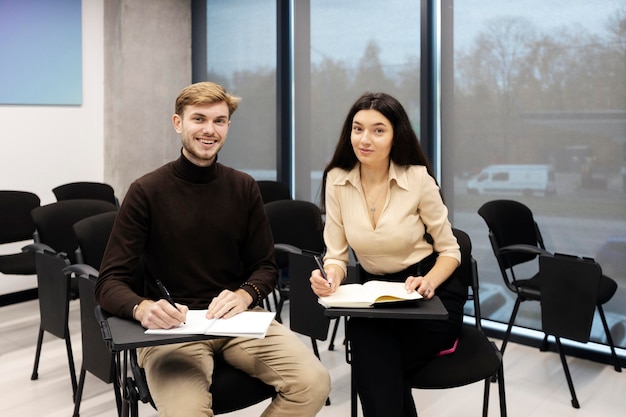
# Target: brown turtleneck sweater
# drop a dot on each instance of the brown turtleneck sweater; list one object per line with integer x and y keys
{"x": 199, "y": 230}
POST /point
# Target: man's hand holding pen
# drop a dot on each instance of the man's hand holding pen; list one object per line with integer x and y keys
{"x": 160, "y": 314}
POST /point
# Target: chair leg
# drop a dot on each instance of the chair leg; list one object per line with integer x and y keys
{"x": 354, "y": 397}
{"x": 609, "y": 338}
{"x": 331, "y": 344}
{"x": 133, "y": 400}
{"x": 70, "y": 360}
{"x": 35, "y": 374}
{"x": 505, "y": 340}
{"x": 501, "y": 391}
{"x": 118, "y": 396}
{"x": 568, "y": 377}
{"x": 486, "y": 397}
{"x": 79, "y": 392}
{"x": 507, "y": 334}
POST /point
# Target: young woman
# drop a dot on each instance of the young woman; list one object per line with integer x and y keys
{"x": 382, "y": 201}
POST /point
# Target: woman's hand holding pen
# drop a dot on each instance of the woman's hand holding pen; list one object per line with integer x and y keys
{"x": 323, "y": 286}
{"x": 160, "y": 314}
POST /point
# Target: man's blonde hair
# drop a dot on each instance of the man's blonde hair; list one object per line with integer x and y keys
{"x": 205, "y": 92}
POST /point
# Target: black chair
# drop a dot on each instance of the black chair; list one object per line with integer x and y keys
{"x": 569, "y": 290}
{"x": 92, "y": 235}
{"x": 273, "y": 191}
{"x": 298, "y": 224}
{"x": 16, "y": 225}
{"x": 54, "y": 222}
{"x": 55, "y": 249}
{"x": 516, "y": 240}
{"x": 475, "y": 358}
{"x": 86, "y": 190}
{"x": 54, "y": 302}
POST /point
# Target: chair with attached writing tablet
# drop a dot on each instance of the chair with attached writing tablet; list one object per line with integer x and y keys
{"x": 92, "y": 235}
{"x": 569, "y": 290}
{"x": 54, "y": 248}
{"x": 231, "y": 388}
{"x": 475, "y": 357}
{"x": 517, "y": 243}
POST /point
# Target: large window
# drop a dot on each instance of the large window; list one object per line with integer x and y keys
{"x": 354, "y": 47}
{"x": 532, "y": 82}
{"x": 241, "y": 55}
{"x": 542, "y": 83}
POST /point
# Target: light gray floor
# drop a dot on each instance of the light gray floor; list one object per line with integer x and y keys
{"x": 535, "y": 383}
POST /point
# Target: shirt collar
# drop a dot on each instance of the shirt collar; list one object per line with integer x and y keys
{"x": 397, "y": 174}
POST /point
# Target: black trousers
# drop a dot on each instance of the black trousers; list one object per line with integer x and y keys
{"x": 385, "y": 351}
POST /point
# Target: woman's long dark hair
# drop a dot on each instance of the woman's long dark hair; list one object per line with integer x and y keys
{"x": 405, "y": 148}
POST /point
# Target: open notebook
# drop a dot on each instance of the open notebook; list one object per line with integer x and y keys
{"x": 253, "y": 324}
{"x": 370, "y": 294}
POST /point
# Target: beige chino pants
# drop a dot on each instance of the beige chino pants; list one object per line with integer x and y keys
{"x": 179, "y": 376}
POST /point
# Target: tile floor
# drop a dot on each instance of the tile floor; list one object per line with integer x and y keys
{"x": 535, "y": 383}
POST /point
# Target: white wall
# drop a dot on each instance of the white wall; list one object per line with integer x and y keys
{"x": 45, "y": 146}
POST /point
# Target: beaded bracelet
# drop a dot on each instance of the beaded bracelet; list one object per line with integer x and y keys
{"x": 256, "y": 290}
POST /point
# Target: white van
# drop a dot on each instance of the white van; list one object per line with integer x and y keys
{"x": 514, "y": 179}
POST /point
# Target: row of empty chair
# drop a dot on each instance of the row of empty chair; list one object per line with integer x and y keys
{"x": 16, "y": 223}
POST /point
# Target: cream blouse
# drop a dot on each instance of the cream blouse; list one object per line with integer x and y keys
{"x": 413, "y": 205}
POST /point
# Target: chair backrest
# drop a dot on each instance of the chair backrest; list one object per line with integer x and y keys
{"x": 54, "y": 222}
{"x": 85, "y": 190}
{"x": 92, "y": 235}
{"x": 569, "y": 294}
{"x": 464, "y": 270}
{"x": 297, "y": 223}
{"x": 273, "y": 191}
{"x": 510, "y": 223}
{"x": 54, "y": 292}
{"x": 467, "y": 271}
{"x": 16, "y": 223}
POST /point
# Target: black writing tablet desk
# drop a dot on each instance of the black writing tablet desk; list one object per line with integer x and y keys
{"x": 432, "y": 309}
{"x": 123, "y": 336}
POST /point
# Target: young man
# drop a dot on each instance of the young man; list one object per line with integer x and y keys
{"x": 200, "y": 228}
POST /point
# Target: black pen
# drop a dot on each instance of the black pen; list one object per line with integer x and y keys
{"x": 166, "y": 294}
{"x": 320, "y": 265}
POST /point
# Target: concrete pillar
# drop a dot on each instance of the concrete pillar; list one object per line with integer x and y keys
{"x": 147, "y": 61}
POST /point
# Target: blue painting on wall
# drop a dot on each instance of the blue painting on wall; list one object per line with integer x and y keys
{"x": 41, "y": 52}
